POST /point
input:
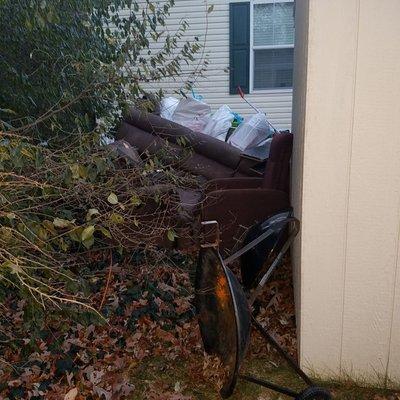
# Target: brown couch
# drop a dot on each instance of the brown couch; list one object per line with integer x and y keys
{"x": 237, "y": 195}
{"x": 209, "y": 157}
{"x": 238, "y": 203}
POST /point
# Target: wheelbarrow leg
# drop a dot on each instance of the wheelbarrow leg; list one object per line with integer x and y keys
{"x": 270, "y": 339}
{"x": 269, "y": 385}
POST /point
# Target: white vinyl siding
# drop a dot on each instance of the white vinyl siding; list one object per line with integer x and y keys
{"x": 214, "y": 85}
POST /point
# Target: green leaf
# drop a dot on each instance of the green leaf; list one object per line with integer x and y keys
{"x": 83, "y": 173}
{"x": 88, "y": 243}
{"x": 62, "y": 223}
{"x": 12, "y": 266}
{"x": 112, "y": 198}
{"x": 76, "y": 234}
{"x": 171, "y": 235}
{"x": 135, "y": 200}
{"x": 42, "y": 233}
{"x": 116, "y": 218}
{"x": 11, "y": 215}
{"x": 87, "y": 233}
{"x": 49, "y": 226}
{"x": 75, "y": 171}
{"x": 7, "y": 264}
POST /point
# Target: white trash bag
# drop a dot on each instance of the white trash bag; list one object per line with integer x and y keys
{"x": 192, "y": 113}
{"x": 219, "y": 123}
{"x": 168, "y": 106}
{"x": 261, "y": 151}
{"x": 252, "y": 132}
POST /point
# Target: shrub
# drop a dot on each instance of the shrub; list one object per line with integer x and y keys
{"x": 86, "y": 58}
{"x": 66, "y": 66}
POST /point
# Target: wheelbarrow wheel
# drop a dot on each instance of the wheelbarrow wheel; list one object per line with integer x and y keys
{"x": 314, "y": 393}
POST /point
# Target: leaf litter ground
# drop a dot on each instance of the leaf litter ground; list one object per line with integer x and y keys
{"x": 150, "y": 346}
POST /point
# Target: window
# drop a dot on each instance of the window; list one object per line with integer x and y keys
{"x": 261, "y": 45}
{"x": 271, "y": 44}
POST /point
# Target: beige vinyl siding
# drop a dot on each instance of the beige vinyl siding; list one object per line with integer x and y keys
{"x": 214, "y": 85}
{"x": 347, "y": 192}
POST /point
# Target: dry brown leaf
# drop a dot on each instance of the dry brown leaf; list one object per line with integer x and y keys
{"x": 71, "y": 395}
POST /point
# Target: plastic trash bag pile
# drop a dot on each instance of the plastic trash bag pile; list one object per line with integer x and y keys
{"x": 251, "y": 135}
{"x": 196, "y": 115}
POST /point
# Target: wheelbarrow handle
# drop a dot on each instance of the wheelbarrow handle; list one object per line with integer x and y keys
{"x": 260, "y": 238}
{"x": 259, "y": 288}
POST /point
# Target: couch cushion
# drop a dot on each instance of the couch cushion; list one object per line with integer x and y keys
{"x": 206, "y": 145}
{"x": 192, "y": 162}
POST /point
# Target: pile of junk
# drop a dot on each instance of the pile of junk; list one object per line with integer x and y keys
{"x": 243, "y": 165}
{"x": 240, "y": 212}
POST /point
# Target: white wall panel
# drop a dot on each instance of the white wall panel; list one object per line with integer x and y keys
{"x": 374, "y": 196}
{"x": 350, "y": 192}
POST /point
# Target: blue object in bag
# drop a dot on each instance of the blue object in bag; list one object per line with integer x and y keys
{"x": 197, "y": 96}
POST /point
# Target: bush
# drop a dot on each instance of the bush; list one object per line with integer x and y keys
{"x": 58, "y": 208}
{"x": 65, "y": 65}
{"x": 72, "y": 63}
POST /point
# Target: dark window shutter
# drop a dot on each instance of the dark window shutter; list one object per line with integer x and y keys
{"x": 239, "y": 47}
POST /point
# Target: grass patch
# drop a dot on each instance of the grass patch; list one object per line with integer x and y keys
{"x": 187, "y": 378}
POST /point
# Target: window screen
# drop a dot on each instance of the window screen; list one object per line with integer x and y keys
{"x": 273, "y": 68}
{"x": 273, "y": 40}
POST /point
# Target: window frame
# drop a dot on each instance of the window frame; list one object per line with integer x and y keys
{"x": 252, "y": 48}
